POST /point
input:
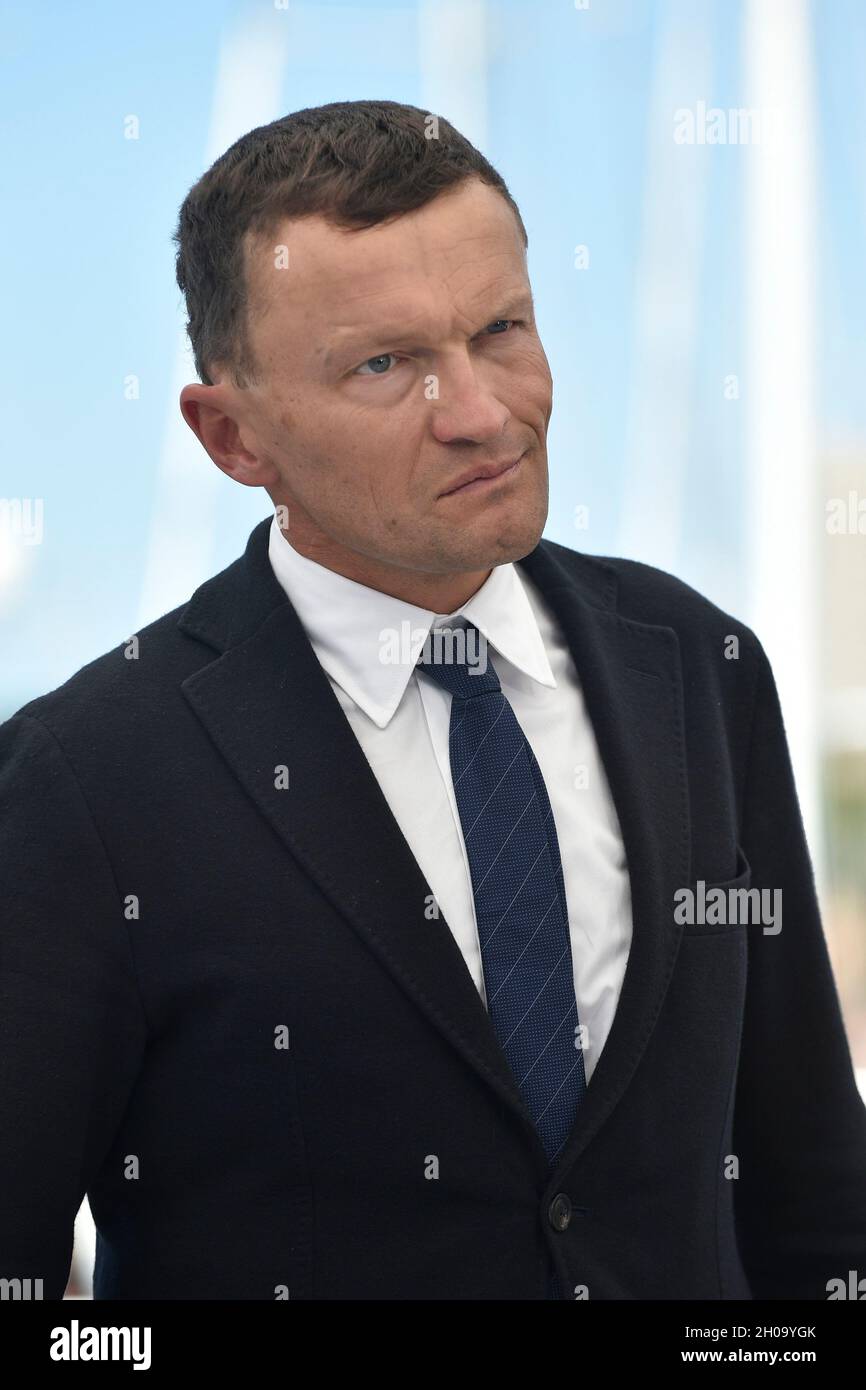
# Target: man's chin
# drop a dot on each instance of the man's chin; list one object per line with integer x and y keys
{"x": 486, "y": 556}
{"x": 512, "y": 540}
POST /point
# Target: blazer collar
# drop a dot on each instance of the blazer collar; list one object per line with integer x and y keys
{"x": 266, "y": 701}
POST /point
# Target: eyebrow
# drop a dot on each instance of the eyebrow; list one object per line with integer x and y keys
{"x": 373, "y": 333}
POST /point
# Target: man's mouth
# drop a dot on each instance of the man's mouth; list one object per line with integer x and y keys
{"x": 481, "y": 478}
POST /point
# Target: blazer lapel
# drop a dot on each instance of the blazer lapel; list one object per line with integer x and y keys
{"x": 631, "y": 679}
{"x": 267, "y": 703}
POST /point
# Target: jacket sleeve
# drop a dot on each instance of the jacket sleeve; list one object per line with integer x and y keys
{"x": 72, "y": 1029}
{"x": 799, "y": 1122}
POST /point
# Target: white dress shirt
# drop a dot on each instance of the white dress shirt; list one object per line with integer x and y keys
{"x": 401, "y": 720}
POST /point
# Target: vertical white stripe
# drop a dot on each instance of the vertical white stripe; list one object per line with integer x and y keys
{"x": 784, "y": 507}
{"x": 452, "y": 53}
{"x": 660, "y": 396}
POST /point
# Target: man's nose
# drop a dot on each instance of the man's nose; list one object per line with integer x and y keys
{"x": 465, "y": 407}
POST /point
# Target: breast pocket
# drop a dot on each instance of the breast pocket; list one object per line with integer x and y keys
{"x": 707, "y": 909}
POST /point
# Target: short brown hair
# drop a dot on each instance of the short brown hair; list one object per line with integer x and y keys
{"x": 358, "y": 163}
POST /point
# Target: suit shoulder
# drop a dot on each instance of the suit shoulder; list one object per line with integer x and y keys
{"x": 650, "y": 595}
{"x": 128, "y": 684}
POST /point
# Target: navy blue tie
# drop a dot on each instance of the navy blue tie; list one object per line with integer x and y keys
{"x": 517, "y": 882}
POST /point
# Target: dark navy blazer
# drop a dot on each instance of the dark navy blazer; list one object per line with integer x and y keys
{"x": 228, "y": 1018}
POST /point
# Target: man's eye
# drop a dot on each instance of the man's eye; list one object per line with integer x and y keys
{"x": 376, "y": 365}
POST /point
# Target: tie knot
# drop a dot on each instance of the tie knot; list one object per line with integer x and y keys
{"x": 457, "y": 658}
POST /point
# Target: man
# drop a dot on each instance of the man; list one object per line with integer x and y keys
{"x": 379, "y": 923}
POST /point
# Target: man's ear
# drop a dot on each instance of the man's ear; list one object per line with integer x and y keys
{"x": 216, "y": 419}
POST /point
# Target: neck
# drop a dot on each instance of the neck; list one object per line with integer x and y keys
{"x": 439, "y": 593}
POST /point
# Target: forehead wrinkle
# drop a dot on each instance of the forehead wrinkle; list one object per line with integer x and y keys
{"x": 494, "y": 294}
{"x": 407, "y": 242}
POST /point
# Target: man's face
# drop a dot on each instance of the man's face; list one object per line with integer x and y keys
{"x": 394, "y": 362}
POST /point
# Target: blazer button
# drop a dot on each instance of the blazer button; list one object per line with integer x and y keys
{"x": 559, "y": 1212}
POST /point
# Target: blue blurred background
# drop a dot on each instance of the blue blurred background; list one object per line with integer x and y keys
{"x": 692, "y": 175}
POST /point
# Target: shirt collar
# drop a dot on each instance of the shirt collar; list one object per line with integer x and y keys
{"x": 369, "y": 642}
